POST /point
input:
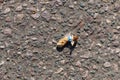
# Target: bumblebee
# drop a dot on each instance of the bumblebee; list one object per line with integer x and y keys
{"x": 70, "y": 38}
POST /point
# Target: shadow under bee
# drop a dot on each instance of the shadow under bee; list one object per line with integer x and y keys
{"x": 67, "y": 45}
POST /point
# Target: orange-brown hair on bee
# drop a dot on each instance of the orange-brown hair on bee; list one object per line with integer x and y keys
{"x": 75, "y": 38}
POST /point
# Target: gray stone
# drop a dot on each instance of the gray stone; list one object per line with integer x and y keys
{"x": 91, "y": 1}
{"x": 63, "y": 62}
{"x": 78, "y": 63}
{"x": 119, "y": 55}
{"x": 19, "y": 8}
{"x": 116, "y": 43}
{"x": 24, "y": 4}
{"x": 12, "y": 1}
{"x": 35, "y": 16}
{"x": 59, "y": 70}
{"x": 1, "y": 7}
{"x": 86, "y": 56}
{"x": 8, "y": 19}
{"x": 19, "y": 17}
{"x": 71, "y": 6}
{"x": 96, "y": 15}
{"x": 45, "y": 14}
{"x": 7, "y": 10}
{"x": 31, "y": 1}
{"x": 107, "y": 64}
{"x": 1, "y": 1}
{"x": 59, "y": 2}
{"x": 2, "y": 62}
{"x": 7, "y": 31}
{"x": 34, "y": 38}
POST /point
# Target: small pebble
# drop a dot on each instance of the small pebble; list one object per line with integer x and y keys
{"x": 59, "y": 70}
{"x": 31, "y": 1}
{"x": 8, "y": 59}
{"x": 2, "y": 62}
{"x": 71, "y": 6}
{"x": 72, "y": 68}
{"x": 19, "y": 8}
{"x": 54, "y": 41}
{"x": 78, "y": 63}
{"x": 82, "y": 4}
{"x": 32, "y": 78}
{"x": 99, "y": 44}
{"x": 44, "y": 67}
{"x": 116, "y": 67}
{"x": 107, "y": 64}
{"x": 19, "y": 53}
{"x": 115, "y": 31}
{"x": 8, "y": 19}
{"x": 59, "y": 2}
{"x": 105, "y": 1}
{"x": 86, "y": 56}
{"x": 34, "y": 27}
{"x": 12, "y": 1}
{"x": 86, "y": 73}
{"x": 35, "y": 51}
{"x": 54, "y": 48}
{"x": 57, "y": 17}
{"x": 75, "y": 2}
{"x": 50, "y": 42}
{"x": 19, "y": 17}
{"x": 116, "y": 43}
{"x": 95, "y": 67}
{"x": 75, "y": 54}
{"x": 7, "y": 31}
{"x": 117, "y": 50}
{"x": 96, "y": 15}
{"x": 34, "y": 38}
{"x": 2, "y": 47}
{"x": 118, "y": 27}
{"x": 108, "y": 21}
{"x": 7, "y": 10}
{"x": 28, "y": 53}
{"x": 1, "y": 7}
{"x": 119, "y": 55}
{"x": 45, "y": 14}
{"x": 24, "y": 4}
{"x": 63, "y": 62}
{"x": 91, "y": 1}
{"x": 32, "y": 10}
{"x": 35, "y": 16}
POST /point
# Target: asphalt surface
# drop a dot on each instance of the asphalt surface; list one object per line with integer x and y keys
{"x": 30, "y": 30}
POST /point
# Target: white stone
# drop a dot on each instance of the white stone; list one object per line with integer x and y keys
{"x": 7, "y": 10}
{"x": 19, "y": 8}
{"x": 107, "y": 64}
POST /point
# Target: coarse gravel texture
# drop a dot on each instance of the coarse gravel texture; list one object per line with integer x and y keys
{"x": 30, "y": 29}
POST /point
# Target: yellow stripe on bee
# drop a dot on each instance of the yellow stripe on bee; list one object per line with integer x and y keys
{"x": 62, "y": 41}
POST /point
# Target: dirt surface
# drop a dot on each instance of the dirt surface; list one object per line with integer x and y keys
{"x": 30, "y": 29}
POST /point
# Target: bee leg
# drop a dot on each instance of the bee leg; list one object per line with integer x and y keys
{"x": 72, "y": 43}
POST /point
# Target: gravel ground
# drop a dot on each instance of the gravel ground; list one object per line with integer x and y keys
{"x": 30, "y": 29}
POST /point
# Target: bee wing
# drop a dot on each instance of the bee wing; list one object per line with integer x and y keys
{"x": 68, "y": 34}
